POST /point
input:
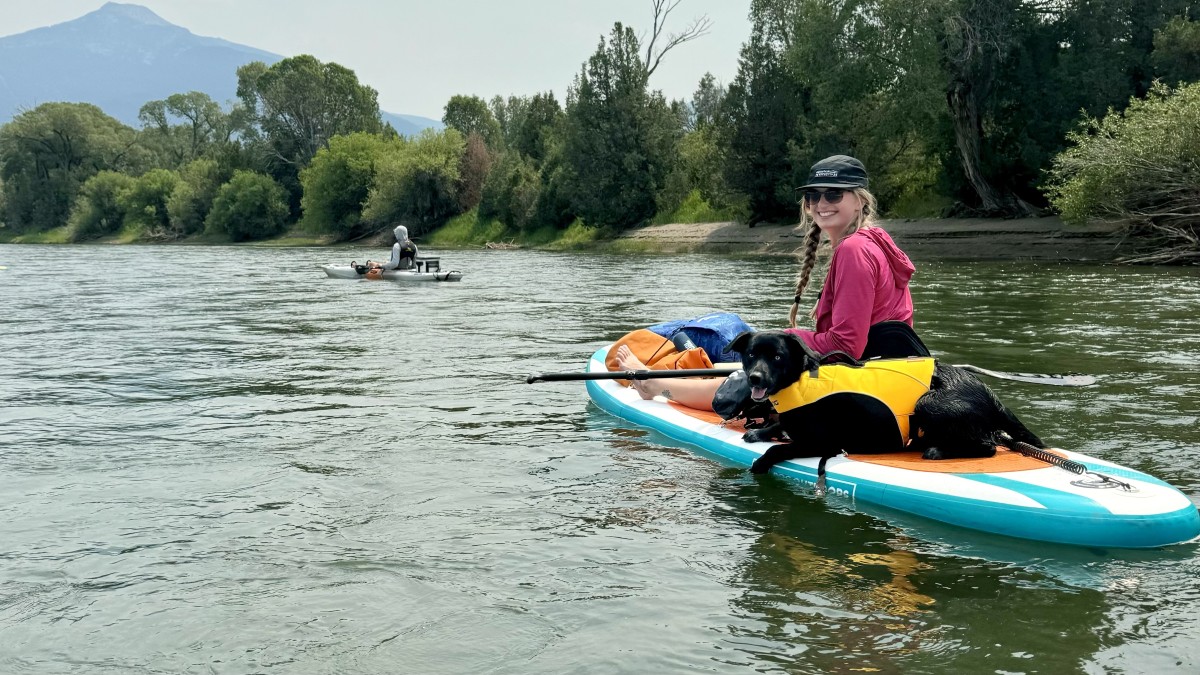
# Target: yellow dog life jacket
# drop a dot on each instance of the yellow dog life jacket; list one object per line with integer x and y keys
{"x": 841, "y": 394}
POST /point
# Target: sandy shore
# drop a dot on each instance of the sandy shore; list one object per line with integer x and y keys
{"x": 944, "y": 239}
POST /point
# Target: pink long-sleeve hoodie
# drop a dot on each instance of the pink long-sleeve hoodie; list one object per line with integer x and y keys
{"x": 867, "y": 283}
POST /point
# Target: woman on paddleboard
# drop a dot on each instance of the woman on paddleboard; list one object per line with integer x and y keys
{"x": 865, "y": 286}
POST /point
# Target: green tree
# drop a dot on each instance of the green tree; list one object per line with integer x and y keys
{"x": 1176, "y": 55}
{"x": 250, "y": 206}
{"x": 299, "y": 104}
{"x": 509, "y": 113}
{"x": 471, "y": 115}
{"x": 295, "y": 107}
{"x": 975, "y": 39}
{"x": 553, "y": 208}
{"x": 1018, "y": 73}
{"x": 619, "y": 139}
{"x": 192, "y": 198}
{"x": 764, "y": 106}
{"x": 511, "y": 191}
{"x": 338, "y": 182}
{"x": 99, "y": 207}
{"x": 874, "y": 90}
{"x": 186, "y": 125}
{"x": 707, "y": 102}
{"x": 145, "y": 204}
{"x": 538, "y": 127}
{"x": 416, "y": 181}
{"x": 48, "y": 152}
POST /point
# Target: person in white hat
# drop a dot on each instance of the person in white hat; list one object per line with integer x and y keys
{"x": 404, "y": 252}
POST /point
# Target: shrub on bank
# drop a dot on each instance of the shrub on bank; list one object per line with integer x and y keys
{"x": 145, "y": 203}
{"x": 338, "y": 181}
{"x": 98, "y": 210}
{"x": 250, "y": 206}
{"x": 193, "y": 196}
{"x": 1140, "y": 167}
{"x": 416, "y": 182}
{"x": 695, "y": 209}
{"x": 511, "y": 190}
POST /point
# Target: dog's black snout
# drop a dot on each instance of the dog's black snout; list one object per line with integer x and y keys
{"x": 755, "y": 378}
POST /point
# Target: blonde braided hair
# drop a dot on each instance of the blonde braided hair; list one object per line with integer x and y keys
{"x": 812, "y": 237}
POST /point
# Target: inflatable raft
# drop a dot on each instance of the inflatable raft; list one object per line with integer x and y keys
{"x": 1010, "y": 494}
{"x": 348, "y": 272}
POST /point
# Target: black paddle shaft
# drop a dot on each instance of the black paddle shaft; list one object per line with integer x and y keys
{"x": 1062, "y": 380}
{"x": 628, "y": 375}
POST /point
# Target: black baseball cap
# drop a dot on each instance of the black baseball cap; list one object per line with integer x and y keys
{"x": 838, "y": 171}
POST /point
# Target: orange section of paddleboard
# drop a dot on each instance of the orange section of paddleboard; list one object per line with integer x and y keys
{"x": 1004, "y": 461}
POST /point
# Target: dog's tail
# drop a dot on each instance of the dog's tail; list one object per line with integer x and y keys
{"x": 1017, "y": 430}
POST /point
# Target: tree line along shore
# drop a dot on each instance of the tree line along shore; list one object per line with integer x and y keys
{"x": 959, "y": 108}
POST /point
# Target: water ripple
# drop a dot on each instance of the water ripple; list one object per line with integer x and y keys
{"x": 215, "y": 459}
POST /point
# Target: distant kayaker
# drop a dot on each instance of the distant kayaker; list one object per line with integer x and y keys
{"x": 404, "y": 252}
{"x": 866, "y": 283}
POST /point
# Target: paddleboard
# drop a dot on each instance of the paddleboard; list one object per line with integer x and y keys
{"x": 1009, "y": 494}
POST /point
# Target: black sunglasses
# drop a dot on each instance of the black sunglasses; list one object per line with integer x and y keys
{"x": 832, "y": 195}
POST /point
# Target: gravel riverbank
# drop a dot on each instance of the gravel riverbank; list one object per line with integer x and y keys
{"x": 1045, "y": 239}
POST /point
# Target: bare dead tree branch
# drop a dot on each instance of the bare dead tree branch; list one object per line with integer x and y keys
{"x": 662, "y": 9}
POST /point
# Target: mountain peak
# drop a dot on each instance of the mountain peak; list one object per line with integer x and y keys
{"x": 128, "y": 12}
{"x": 119, "y": 57}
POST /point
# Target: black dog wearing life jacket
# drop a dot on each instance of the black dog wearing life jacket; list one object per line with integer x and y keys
{"x": 944, "y": 410}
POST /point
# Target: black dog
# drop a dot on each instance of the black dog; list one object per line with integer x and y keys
{"x": 958, "y": 416}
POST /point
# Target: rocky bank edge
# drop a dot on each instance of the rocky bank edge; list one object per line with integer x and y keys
{"x": 1030, "y": 239}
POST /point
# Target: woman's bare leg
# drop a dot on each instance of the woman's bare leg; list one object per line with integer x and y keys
{"x": 693, "y": 393}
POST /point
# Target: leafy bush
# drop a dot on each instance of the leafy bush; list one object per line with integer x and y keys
{"x": 192, "y": 197}
{"x": 250, "y": 206}
{"x": 338, "y": 182}
{"x": 1140, "y": 167}
{"x": 98, "y": 209}
{"x": 416, "y": 183}
{"x": 145, "y": 203}
{"x": 511, "y": 191}
{"x": 693, "y": 208}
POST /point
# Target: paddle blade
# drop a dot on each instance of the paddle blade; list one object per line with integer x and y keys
{"x": 1066, "y": 380}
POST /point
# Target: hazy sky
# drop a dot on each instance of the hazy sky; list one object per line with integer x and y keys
{"x": 419, "y": 54}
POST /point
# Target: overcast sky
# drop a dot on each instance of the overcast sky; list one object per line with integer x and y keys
{"x": 418, "y": 54}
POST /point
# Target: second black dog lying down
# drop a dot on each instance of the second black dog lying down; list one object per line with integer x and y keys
{"x": 955, "y": 416}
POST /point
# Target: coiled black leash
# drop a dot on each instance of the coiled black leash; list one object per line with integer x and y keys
{"x": 1061, "y": 462}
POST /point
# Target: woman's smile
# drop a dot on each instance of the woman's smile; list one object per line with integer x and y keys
{"x": 835, "y": 219}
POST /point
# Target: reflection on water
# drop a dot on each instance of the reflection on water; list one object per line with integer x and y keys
{"x": 218, "y": 459}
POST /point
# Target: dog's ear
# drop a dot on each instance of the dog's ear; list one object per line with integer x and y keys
{"x": 740, "y": 342}
{"x": 811, "y": 359}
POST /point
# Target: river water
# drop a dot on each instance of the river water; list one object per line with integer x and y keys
{"x": 216, "y": 460}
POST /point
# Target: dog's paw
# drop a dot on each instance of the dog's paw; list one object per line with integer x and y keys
{"x": 768, "y": 433}
{"x": 756, "y": 435}
{"x": 932, "y": 453}
{"x": 760, "y": 467}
